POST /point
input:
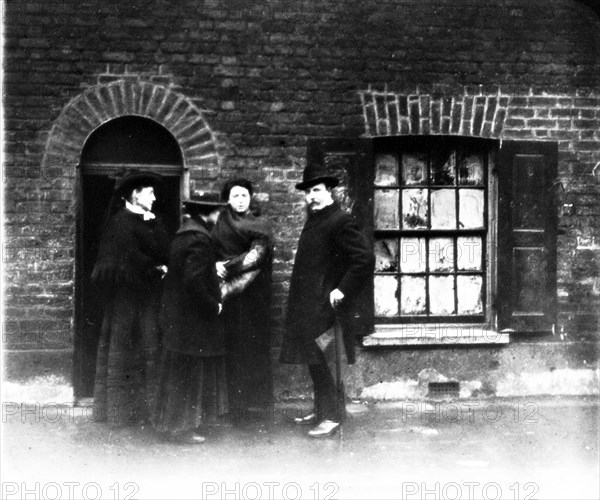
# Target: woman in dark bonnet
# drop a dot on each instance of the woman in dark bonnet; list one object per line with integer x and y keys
{"x": 131, "y": 263}
{"x": 193, "y": 389}
{"x": 244, "y": 245}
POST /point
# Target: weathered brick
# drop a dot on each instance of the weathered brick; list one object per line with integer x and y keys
{"x": 296, "y": 70}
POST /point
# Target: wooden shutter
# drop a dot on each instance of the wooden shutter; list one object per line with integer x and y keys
{"x": 527, "y": 226}
{"x": 351, "y": 160}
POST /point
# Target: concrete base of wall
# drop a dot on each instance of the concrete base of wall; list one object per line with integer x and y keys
{"x": 22, "y": 366}
{"x": 517, "y": 369}
{"x": 37, "y": 377}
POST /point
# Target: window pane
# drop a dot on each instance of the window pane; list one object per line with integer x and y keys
{"x": 414, "y": 208}
{"x": 414, "y": 168}
{"x": 386, "y": 209}
{"x": 412, "y": 255}
{"x": 386, "y": 170}
{"x": 470, "y": 208}
{"x": 470, "y": 169}
{"x": 386, "y": 255}
{"x": 469, "y": 294}
{"x": 443, "y": 209}
{"x": 430, "y": 221}
{"x": 386, "y": 303}
{"x": 469, "y": 250}
{"x": 441, "y": 295}
{"x": 442, "y": 168}
{"x": 412, "y": 295}
{"x": 441, "y": 254}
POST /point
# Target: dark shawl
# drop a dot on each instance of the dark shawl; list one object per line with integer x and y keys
{"x": 234, "y": 236}
{"x": 130, "y": 250}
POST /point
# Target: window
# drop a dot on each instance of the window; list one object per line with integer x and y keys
{"x": 431, "y": 227}
{"x": 463, "y": 229}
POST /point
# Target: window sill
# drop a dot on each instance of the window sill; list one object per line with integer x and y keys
{"x": 435, "y": 334}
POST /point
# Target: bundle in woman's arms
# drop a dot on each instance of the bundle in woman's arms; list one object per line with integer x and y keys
{"x": 237, "y": 284}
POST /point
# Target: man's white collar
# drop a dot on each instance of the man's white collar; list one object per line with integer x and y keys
{"x": 136, "y": 209}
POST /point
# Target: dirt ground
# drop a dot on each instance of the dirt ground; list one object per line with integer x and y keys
{"x": 496, "y": 449}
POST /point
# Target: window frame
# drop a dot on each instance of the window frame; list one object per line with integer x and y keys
{"x": 429, "y": 144}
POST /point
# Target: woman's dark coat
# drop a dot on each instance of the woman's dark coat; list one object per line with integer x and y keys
{"x": 126, "y": 272}
{"x": 332, "y": 253}
{"x": 191, "y": 296}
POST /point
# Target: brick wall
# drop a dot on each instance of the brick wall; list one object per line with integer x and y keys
{"x": 265, "y": 76}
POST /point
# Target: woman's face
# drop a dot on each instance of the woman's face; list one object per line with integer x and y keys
{"x": 239, "y": 199}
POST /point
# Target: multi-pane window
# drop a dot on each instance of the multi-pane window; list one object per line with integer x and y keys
{"x": 431, "y": 227}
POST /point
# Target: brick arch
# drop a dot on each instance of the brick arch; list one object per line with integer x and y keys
{"x": 389, "y": 113}
{"x": 102, "y": 103}
{"x": 95, "y": 107}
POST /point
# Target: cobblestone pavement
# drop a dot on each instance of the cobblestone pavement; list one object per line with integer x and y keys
{"x": 537, "y": 448}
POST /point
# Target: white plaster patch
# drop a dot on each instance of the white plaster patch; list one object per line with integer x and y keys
{"x": 39, "y": 390}
{"x": 563, "y": 382}
{"x": 392, "y": 391}
{"x": 467, "y": 388}
{"x": 587, "y": 243}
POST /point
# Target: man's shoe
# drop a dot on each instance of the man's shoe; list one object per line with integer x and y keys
{"x": 185, "y": 438}
{"x": 192, "y": 438}
{"x": 195, "y": 439}
{"x": 307, "y": 420}
{"x": 324, "y": 429}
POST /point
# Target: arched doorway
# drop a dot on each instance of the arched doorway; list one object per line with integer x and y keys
{"x": 125, "y": 142}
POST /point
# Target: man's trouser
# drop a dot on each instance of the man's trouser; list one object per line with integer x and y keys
{"x": 326, "y": 406}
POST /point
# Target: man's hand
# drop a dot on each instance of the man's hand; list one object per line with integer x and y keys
{"x": 221, "y": 271}
{"x": 162, "y": 270}
{"x": 336, "y": 297}
{"x": 220, "y": 308}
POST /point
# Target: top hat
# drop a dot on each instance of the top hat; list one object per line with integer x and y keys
{"x": 315, "y": 173}
{"x": 204, "y": 199}
{"x": 135, "y": 179}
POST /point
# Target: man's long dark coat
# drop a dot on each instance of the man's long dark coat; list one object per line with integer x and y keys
{"x": 191, "y": 296}
{"x": 332, "y": 253}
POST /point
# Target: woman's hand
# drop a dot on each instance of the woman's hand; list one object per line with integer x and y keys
{"x": 221, "y": 271}
{"x": 335, "y": 298}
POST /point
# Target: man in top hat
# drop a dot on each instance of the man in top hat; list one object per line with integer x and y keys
{"x": 131, "y": 263}
{"x": 192, "y": 386}
{"x": 333, "y": 262}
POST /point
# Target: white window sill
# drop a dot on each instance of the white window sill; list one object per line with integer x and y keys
{"x": 435, "y": 334}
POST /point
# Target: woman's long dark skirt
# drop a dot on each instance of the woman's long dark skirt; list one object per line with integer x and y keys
{"x": 192, "y": 391}
{"x": 247, "y": 327}
{"x": 128, "y": 355}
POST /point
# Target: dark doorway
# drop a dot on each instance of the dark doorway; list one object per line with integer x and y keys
{"x": 128, "y": 142}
